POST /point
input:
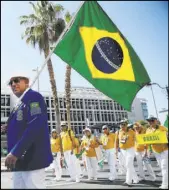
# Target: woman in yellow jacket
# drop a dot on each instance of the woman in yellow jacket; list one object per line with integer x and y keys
{"x": 89, "y": 144}
{"x": 55, "y": 148}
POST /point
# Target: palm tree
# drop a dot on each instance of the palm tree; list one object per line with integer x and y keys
{"x": 68, "y": 80}
{"x": 44, "y": 27}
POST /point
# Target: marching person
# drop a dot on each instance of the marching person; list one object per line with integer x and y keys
{"x": 55, "y": 147}
{"x": 141, "y": 154}
{"x": 125, "y": 140}
{"x": 68, "y": 144}
{"x": 160, "y": 150}
{"x": 89, "y": 144}
{"x": 107, "y": 139}
{"x": 76, "y": 152}
{"x": 28, "y": 140}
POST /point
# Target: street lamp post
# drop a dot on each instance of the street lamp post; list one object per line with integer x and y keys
{"x": 36, "y": 70}
{"x": 166, "y": 88}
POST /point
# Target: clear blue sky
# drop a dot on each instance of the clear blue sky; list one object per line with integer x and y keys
{"x": 144, "y": 24}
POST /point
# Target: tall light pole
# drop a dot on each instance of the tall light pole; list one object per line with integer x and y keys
{"x": 36, "y": 70}
{"x": 166, "y": 88}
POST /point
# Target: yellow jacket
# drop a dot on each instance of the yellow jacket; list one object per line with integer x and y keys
{"x": 55, "y": 145}
{"x": 89, "y": 144}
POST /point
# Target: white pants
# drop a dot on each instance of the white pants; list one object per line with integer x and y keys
{"x": 163, "y": 163}
{"x": 129, "y": 164}
{"x": 111, "y": 158}
{"x": 56, "y": 165}
{"x": 91, "y": 165}
{"x": 29, "y": 179}
{"x": 71, "y": 163}
{"x": 139, "y": 157}
{"x": 121, "y": 163}
{"x": 79, "y": 170}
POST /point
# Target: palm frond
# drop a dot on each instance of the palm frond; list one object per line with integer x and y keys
{"x": 68, "y": 17}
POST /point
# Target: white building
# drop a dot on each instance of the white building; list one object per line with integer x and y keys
{"x": 139, "y": 110}
{"x": 86, "y": 103}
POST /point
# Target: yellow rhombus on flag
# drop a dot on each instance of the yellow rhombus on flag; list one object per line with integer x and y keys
{"x": 98, "y": 51}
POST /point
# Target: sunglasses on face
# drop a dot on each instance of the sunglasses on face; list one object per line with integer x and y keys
{"x": 16, "y": 80}
{"x": 123, "y": 123}
{"x": 151, "y": 120}
{"x": 104, "y": 129}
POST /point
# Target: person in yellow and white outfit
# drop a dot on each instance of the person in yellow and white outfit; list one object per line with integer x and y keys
{"x": 141, "y": 153}
{"x": 160, "y": 150}
{"x": 125, "y": 140}
{"x": 77, "y": 151}
{"x": 89, "y": 144}
{"x": 55, "y": 148}
{"x": 68, "y": 144}
{"x": 107, "y": 139}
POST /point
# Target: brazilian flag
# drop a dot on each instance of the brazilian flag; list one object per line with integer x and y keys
{"x": 98, "y": 51}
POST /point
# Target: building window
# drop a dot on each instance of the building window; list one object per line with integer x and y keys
{"x": 2, "y": 101}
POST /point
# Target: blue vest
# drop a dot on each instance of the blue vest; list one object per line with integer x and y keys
{"x": 28, "y": 133}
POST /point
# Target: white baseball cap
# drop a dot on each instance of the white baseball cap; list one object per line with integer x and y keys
{"x": 87, "y": 129}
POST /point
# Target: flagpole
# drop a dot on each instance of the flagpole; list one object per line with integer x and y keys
{"x": 59, "y": 39}
{"x": 154, "y": 101}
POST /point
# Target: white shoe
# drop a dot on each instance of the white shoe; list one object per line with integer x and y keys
{"x": 141, "y": 178}
{"x": 151, "y": 178}
{"x": 135, "y": 181}
{"x": 89, "y": 178}
{"x": 163, "y": 187}
{"x": 70, "y": 180}
{"x": 111, "y": 179}
{"x": 57, "y": 179}
{"x": 95, "y": 178}
{"x": 159, "y": 174}
{"x": 77, "y": 180}
{"x": 81, "y": 175}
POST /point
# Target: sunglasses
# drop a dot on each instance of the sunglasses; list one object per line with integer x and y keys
{"x": 15, "y": 80}
{"x": 104, "y": 129}
{"x": 151, "y": 121}
{"x": 123, "y": 124}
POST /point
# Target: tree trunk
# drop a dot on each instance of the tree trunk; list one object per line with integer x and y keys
{"x": 54, "y": 91}
{"x": 68, "y": 93}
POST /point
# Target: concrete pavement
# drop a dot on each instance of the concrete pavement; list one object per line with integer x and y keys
{"x": 101, "y": 183}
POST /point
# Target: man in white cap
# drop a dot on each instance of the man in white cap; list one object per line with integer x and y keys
{"x": 68, "y": 144}
{"x": 125, "y": 140}
{"x": 107, "y": 139}
{"x": 29, "y": 151}
{"x": 160, "y": 150}
{"x": 55, "y": 147}
{"x": 89, "y": 144}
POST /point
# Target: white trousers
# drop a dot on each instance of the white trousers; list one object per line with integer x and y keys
{"x": 121, "y": 163}
{"x": 79, "y": 170}
{"x": 71, "y": 163}
{"x": 162, "y": 159}
{"x": 91, "y": 165}
{"x": 56, "y": 165}
{"x": 29, "y": 179}
{"x": 129, "y": 164}
{"x": 139, "y": 157}
{"x": 111, "y": 158}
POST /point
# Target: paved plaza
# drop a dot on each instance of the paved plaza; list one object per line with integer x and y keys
{"x": 101, "y": 183}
